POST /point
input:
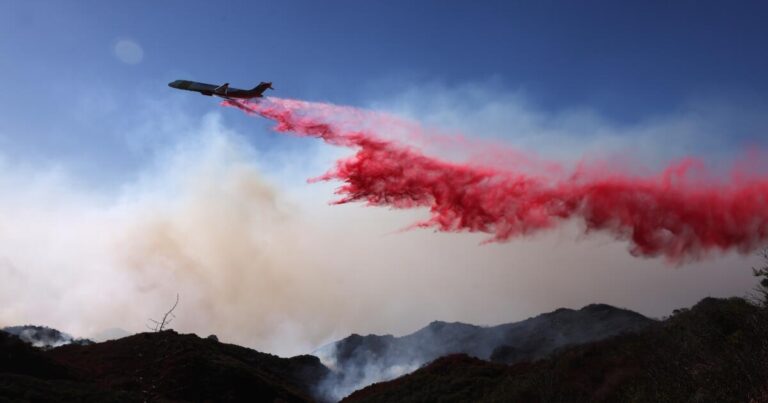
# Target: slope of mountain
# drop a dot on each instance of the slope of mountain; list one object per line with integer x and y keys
{"x": 362, "y": 360}
{"x": 42, "y": 336}
{"x": 19, "y": 357}
{"x": 154, "y": 366}
{"x": 714, "y": 352}
{"x": 186, "y": 367}
{"x": 28, "y": 374}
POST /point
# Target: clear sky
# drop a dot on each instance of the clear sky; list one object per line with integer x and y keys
{"x": 626, "y": 60}
{"x": 85, "y": 98}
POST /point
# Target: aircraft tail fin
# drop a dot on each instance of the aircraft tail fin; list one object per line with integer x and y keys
{"x": 259, "y": 89}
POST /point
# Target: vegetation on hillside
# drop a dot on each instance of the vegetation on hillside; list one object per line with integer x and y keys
{"x": 716, "y": 351}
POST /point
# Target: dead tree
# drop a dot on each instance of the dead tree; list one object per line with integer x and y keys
{"x": 159, "y": 325}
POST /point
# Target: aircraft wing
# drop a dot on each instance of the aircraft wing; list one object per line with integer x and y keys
{"x": 222, "y": 89}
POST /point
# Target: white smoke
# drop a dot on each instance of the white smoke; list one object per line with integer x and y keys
{"x": 259, "y": 257}
{"x": 202, "y": 222}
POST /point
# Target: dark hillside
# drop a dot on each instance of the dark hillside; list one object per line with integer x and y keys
{"x": 716, "y": 351}
{"x": 186, "y": 367}
{"x": 42, "y": 336}
{"x": 18, "y": 357}
{"x": 361, "y": 360}
{"x": 164, "y": 366}
{"x": 27, "y": 374}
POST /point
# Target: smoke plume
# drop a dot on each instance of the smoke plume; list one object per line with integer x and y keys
{"x": 260, "y": 260}
{"x": 676, "y": 213}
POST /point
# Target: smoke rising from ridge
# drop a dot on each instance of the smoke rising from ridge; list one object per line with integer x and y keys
{"x": 204, "y": 223}
{"x": 675, "y": 214}
{"x": 261, "y": 260}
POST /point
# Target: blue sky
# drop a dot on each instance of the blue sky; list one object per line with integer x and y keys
{"x": 625, "y": 60}
{"x": 644, "y": 57}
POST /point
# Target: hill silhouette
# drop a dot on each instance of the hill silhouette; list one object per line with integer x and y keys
{"x": 361, "y": 360}
{"x": 43, "y": 336}
{"x": 716, "y": 351}
{"x": 713, "y": 352}
{"x": 153, "y": 366}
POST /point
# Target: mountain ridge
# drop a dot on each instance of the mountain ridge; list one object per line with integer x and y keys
{"x": 714, "y": 351}
{"x": 43, "y": 336}
{"x": 361, "y": 360}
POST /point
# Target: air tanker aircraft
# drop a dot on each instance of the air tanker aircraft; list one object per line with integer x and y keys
{"x": 221, "y": 91}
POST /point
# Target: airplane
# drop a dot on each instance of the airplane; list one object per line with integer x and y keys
{"x": 221, "y": 91}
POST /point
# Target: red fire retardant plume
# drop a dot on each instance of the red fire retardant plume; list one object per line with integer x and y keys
{"x": 666, "y": 214}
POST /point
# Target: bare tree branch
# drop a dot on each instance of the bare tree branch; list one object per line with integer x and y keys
{"x": 167, "y": 318}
